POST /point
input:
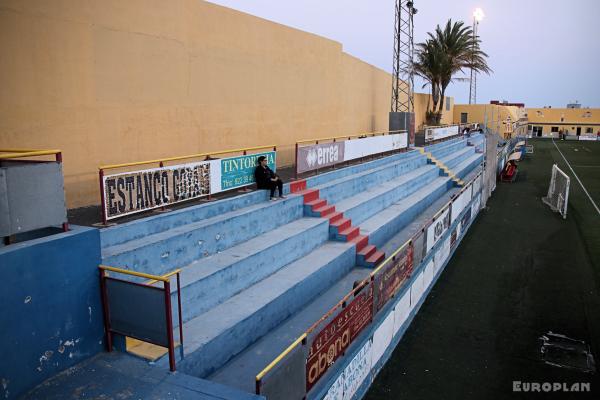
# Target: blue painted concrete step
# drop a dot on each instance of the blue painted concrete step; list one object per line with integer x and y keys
{"x": 241, "y": 371}
{"x": 211, "y": 280}
{"x": 336, "y": 190}
{"x": 467, "y": 166}
{"x": 331, "y": 176}
{"x": 213, "y": 338}
{"x": 162, "y": 222}
{"x": 457, "y": 157}
{"x": 365, "y": 204}
{"x": 385, "y": 224}
{"x": 162, "y": 252}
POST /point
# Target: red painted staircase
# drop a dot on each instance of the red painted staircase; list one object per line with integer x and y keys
{"x": 340, "y": 228}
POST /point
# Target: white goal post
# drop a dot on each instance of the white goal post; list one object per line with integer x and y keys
{"x": 558, "y": 192}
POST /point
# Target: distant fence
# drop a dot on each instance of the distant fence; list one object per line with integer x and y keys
{"x": 296, "y": 371}
{"x": 132, "y": 192}
{"x": 315, "y": 154}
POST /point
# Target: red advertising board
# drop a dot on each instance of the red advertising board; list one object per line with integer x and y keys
{"x": 390, "y": 278}
{"x": 333, "y": 340}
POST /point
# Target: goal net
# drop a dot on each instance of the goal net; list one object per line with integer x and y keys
{"x": 558, "y": 192}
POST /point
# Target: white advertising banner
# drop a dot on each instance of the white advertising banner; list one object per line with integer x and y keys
{"x": 441, "y": 132}
{"x": 358, "y": 369}
{"x": 442, "y": 255}
{"x": 416, "y": 290}
{"x": 477, "y": 184}
{"x": 382, "y": 337}
{"x": 401, "y": 311}
{"x": 322, "y": 155}
{"x": 428, "y": 273}
{"x": 438, "y": 227}
{"x": 358, "y": 148}
{"x": 460, "y": 202}
{"x": 476, "y": 205}
{"x": 588, "y": 136}
{"x": 336, "y": 391}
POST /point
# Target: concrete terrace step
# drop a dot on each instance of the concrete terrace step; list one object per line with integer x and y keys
{"x": 161, "y": 252}
{"x": 162, "y": 222}
{"x": 448, "y": 149}
{"x": 338, "y": 189}
{"x": 212, "y": 280}
{"x": 213, "y": 338}
{"x": 327, "y": 177}
{"x": 385, "y": 224}
{"x": 464, "y": 168}
{"x": 363, "y": 205}
{"x": 457, "y": 157}
{"x": 241, "y": 371}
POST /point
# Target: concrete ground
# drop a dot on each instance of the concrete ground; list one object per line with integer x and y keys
{"x": 118, "y": 376}
{"x": 521, "y": 272}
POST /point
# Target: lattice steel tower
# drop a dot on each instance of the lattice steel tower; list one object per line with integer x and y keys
{"x": 473, "y": 80}
{"x": 403, "y": 76}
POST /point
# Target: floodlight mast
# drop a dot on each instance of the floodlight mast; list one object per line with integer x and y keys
{"x": 478, "y": 15}
{"x": 403, "y": 76}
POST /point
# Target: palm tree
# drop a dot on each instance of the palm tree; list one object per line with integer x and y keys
{"x": 444, "y": 54}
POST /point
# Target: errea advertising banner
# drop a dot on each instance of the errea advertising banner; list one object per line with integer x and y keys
{"x": 136, "y": 191}
{"x": 323, "y": 155}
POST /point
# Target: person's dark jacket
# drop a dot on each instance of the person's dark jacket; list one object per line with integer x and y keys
{"x": 263, "y": 177}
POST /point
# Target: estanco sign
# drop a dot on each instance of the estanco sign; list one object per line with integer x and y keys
{"x": 136, "y": 191}
{"x": 323, "y": 155}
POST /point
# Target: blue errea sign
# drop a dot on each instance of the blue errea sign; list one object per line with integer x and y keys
{"x": 239, "y": 171}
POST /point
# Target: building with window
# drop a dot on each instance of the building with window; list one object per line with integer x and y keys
{"x": 546, "y": 122}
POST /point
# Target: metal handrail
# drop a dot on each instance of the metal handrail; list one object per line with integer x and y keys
{"x": 363, "y": 283}
{"x": 162, "y": 160}
{"x": 358, "y": 135}
{"x": 153, "y": 279}
{"x": 21, "y": 153}
{"x": 134, "y": 273}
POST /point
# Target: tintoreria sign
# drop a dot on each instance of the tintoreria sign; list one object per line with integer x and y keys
{"x": 135, "y": 191}
{"x": 327, "y": 154}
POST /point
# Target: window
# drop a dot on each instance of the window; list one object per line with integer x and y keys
{"x": 447, "y": 103}
{"x": 589, "y": 130}
{"x": 464, "y": 117}
{"x": 554, "y": 129}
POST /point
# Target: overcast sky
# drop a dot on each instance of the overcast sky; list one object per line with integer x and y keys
{"x": 543, "y": 52}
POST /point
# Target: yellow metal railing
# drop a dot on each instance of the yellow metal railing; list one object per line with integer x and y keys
{"x": 199, "y": 155}
{"x": 347, "y": 137}
{"x": 23, "y": 153}
{"x": 363, "y": 283}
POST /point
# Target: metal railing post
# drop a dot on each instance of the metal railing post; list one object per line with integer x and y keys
{"x": 167, "y": 287}
{"x": 106, "y": 310}
{"x": 296, "y": 163}
{"x": 102, "y": 197}
{"x": 180, "y": 315}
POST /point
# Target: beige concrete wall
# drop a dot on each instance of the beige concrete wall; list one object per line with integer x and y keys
{"x": 495, "y": 115}
{"x": 112, "y": 81}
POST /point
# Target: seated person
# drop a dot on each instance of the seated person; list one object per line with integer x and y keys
{"x": 267, "y": 179}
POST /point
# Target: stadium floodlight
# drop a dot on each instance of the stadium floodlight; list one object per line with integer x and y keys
{"x": 558, "y": 192}
{"x": 478, "y": 14}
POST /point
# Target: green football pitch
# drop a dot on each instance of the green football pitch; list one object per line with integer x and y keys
{"x": 520, "y": 272}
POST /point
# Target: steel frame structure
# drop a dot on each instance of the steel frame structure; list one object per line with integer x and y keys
{"x": 403, "y": 75}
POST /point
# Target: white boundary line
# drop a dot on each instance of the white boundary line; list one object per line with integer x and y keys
{"x": 576, "y": 177}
